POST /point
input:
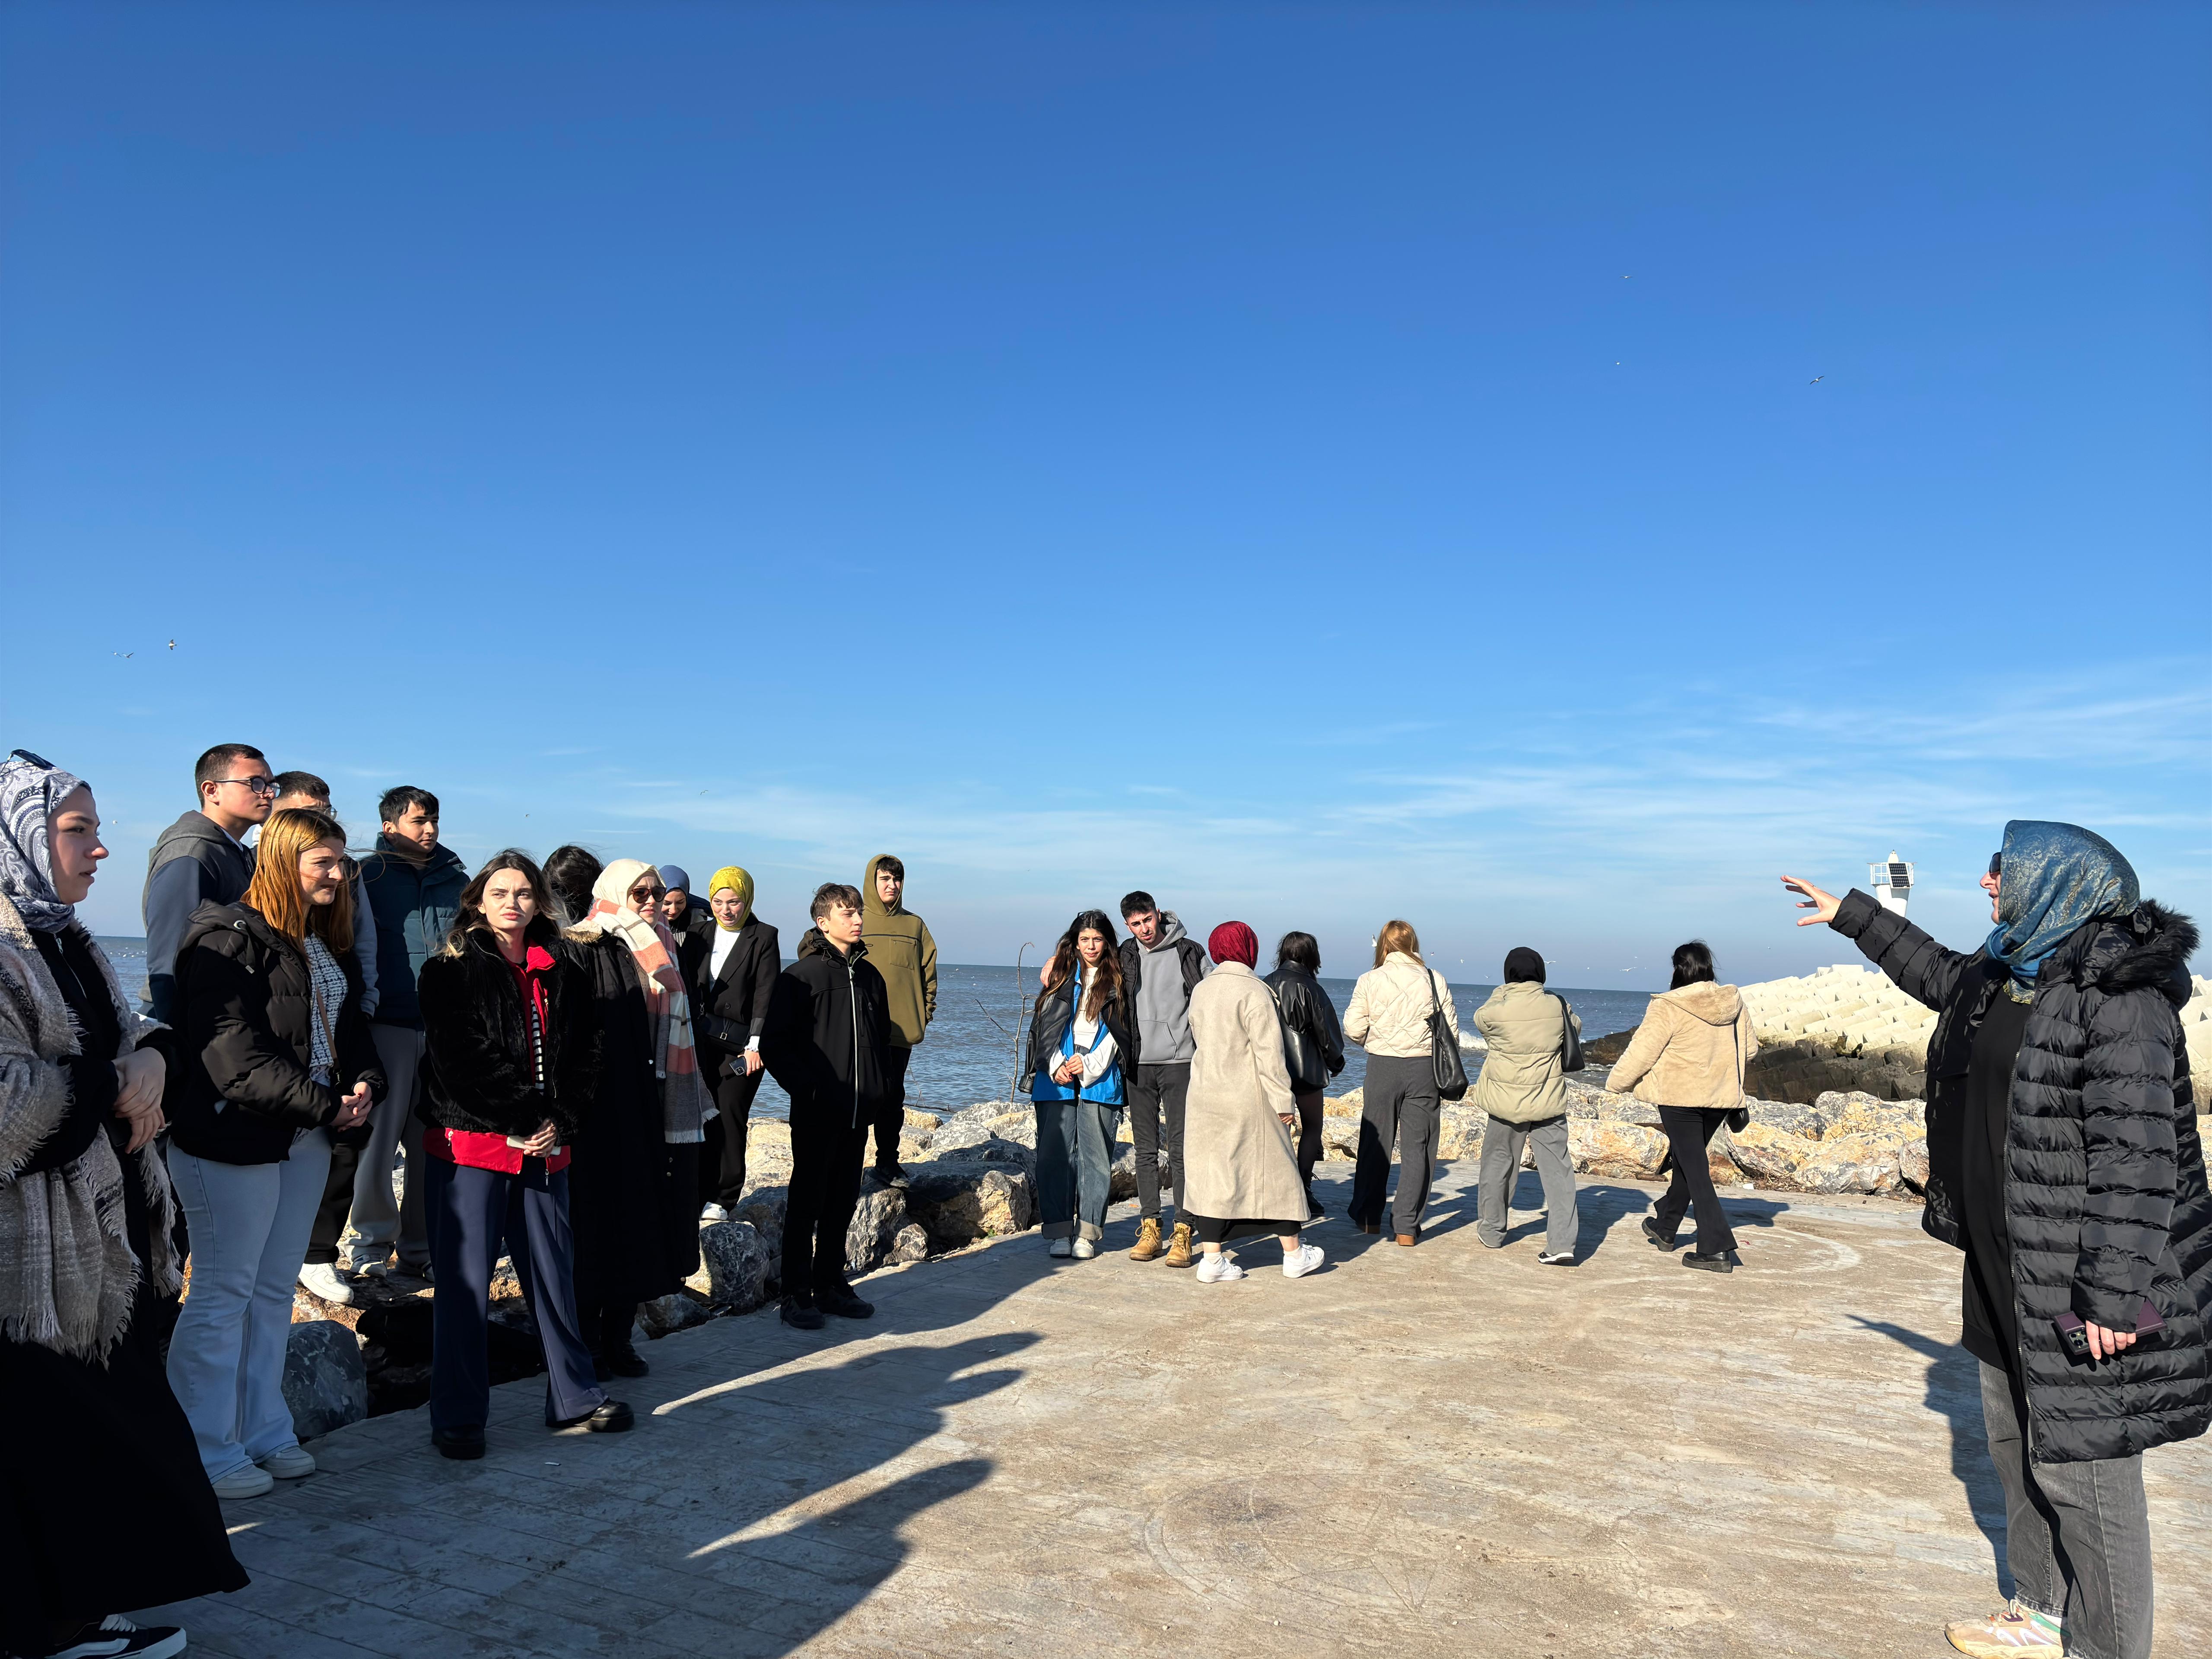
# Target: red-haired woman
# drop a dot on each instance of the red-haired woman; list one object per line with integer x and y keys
{"x": 274, "y": 1054}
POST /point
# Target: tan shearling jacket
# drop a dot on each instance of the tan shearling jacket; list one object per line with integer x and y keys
{"x": 1690, "y": 1050}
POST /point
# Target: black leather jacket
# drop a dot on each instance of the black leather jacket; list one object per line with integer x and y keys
{"x": 1313, "y": 1041}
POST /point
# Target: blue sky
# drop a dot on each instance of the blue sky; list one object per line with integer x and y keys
{"x": 1318, "y": 462}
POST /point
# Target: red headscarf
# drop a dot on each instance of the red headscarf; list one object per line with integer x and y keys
{"x": 1234, "y": 942}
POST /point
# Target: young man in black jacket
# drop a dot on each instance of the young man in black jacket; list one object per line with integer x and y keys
{"x": 827, "y": 1042}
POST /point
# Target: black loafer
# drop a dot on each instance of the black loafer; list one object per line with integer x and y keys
{"x": 466, "y": 1442}
{"x": 1664, "y": 1241}
{"x": 1720, "y": 1261}
{"x": 846, "y": 1305}
{"x": 801, "y": 1314}
{"x": 610, "y": 1418}
{"x": 628, "y": 1363}
{"x": 888, "y": 1175}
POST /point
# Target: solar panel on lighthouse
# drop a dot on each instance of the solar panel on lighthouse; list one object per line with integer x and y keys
{"x": 1893, "y": 882}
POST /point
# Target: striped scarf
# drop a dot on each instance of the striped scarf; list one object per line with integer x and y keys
{"x": 684, "y": 1101}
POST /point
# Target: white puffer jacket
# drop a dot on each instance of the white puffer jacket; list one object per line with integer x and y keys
{"x": 1390, "y": 1005}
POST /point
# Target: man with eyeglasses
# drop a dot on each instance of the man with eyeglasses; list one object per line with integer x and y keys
{"x": 202, "y": 858}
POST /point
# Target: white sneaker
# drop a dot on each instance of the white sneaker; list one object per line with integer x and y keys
{"x": 709, "y": 1212}
{"x": 1059, "y": 1247}
{"x": 245, "y": 1481}
{"x": 1083, "y": 1249}
{"x": 1303, "y": 1261}
{"x": 289, "y": 1462}
{"x": 323, "y": 1281}
{"x": 1218, "y": 1269}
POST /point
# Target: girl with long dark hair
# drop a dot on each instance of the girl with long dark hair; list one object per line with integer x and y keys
{"x": 511, "y": 1057}
{"x": 1313, "y": 1044}
{"x": 1077, "y": 1038}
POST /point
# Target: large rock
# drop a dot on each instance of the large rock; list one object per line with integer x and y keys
{"x": 1852, "y": 1164}
{"x": 1866, "y": 1116}
{"x": 964, "y": 1132}
{"x": 1623, "y": 1150}
{"x": 1771, "y": 1156}
{"x": 912, "y": 1244}
{"x": 924, "y": 1124}
{"x": 325, "y": 1381}
{"x": 1121, "y": 1177}
{"x": 877, "y": 1219}
{"x": 1459, "y": 1130}
{"x": 763, "y": 1210}
{"x": 674, "y": 1312}
{"x": 735, "y": 1273}
{"x": 1912, "y": 1163}
{"x": 960, "y": 1200}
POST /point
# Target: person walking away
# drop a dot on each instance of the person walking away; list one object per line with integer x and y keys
{"x": 1077, "y": 1037}
{"x": 570, "y": 872}
{"x": 414, "y": 886}
{"x": 320, "y": 1275}
{"x": 1688, "y": 1058}
{"x": 273, "y": 1054}
{"x": 902, "y": 950}
{"x": 103, "y": 1504}
{"x": 1313, "y": 1044}
{"x": 829, "y": 1044}
{"x": 2063, "y": 1161}
{"x": 631, "y": 1189}
{"x": 510, "y": 1057}
{"x": 687, "y": 917}
{"x": 731, "y": 984}
{"x": 1244, "y": 1180}
{"x": 202, "y": 858}
{"x": 1523, "y": 1089}
{"x": 1391, "y": 1006}
{"x": 1161, "y": 965}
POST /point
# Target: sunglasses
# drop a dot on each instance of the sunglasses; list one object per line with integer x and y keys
{"x": 647, "y": 894}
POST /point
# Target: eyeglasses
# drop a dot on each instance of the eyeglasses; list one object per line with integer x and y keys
{"x": 262, "y": 786}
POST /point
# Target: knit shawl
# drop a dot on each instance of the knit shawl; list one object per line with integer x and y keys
{"x": 68, "y": 1276}
{"x": 684, "y": 1102}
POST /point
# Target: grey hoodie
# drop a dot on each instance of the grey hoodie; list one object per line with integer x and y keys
{"x": 1162, "y": 1005}
{"x": 193, "y": 864}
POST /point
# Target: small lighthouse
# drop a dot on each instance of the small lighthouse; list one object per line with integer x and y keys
{"x": 1893, "y": 882}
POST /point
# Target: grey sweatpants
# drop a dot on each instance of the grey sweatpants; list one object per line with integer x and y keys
{"x": 1399, "y": 1105}
{"x": 1501, "y": 1168}
{"x": 2077, "y": 1536}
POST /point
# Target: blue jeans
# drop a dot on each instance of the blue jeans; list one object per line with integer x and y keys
{"x": 2077, "y": 1536}
{"x": 1075, "y": 1166}
{"x": 249, "y": 1225}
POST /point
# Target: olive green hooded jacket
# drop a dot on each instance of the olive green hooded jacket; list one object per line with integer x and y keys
{"x": 902, "y": 951}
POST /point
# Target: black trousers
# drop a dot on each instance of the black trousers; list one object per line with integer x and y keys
{"x": 476, "y": 1212}
{"x": 890, "y": 1110}
{"x": 338, "y": 1204}
{"x": 824, "y": 1191}
{"x": 1688, "y": 1131}
{"x": 1156, "y": 1092}
{"x": 722, "y": 1158}
{"x": 1309, "y": 1114}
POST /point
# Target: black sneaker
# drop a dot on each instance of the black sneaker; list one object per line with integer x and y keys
{"x": 465, "y": 1442}
{"x": 845, "y": 1304}
{"x": 116, "y": 1638}
{"x": 801, "y": 1314}
{"x": 1720, "y": 1261}
{"x": 1664, "y": 1241}
{"x": 888, "y": 1175}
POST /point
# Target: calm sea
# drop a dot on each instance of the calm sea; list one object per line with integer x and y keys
{"x": 970, "y": 1053}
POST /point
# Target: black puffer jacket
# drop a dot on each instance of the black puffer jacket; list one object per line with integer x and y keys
{"x": 2105, "y": 1197}
{"x": 1313, "y": 1038}
{"x": 828, "y": 1037}
{"x": 478, "y": 1073}
{"x": 239, "y": 1089}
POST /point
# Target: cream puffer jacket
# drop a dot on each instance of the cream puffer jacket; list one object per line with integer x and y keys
{"x": 1690, "y": 1050}
{"x": 1390, "y": 1005}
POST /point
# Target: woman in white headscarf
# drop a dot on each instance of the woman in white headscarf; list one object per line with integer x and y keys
{"x": 632, "y": 1188}
{"x": 103, "y": 1501}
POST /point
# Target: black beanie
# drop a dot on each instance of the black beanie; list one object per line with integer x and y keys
{"x": 1523, "y": 964}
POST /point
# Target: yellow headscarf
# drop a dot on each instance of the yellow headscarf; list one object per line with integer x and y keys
{"x": 730, "y": 876}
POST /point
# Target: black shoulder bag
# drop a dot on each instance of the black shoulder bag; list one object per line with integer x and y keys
{"x": 1443, "y": 1046}
{"x": 1570, "y": 1042}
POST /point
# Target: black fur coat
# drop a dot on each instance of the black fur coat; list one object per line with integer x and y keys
{"x": 477, "y": 1066}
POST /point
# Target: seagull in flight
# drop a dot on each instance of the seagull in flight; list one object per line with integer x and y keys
{"x": 1816, "y": 379}
{"x": 172, "y": 644}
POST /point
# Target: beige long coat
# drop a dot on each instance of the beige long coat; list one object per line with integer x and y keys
{"x": 1241, "y": 1164}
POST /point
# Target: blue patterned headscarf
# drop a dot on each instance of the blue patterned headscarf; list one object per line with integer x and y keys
{"x": 2054, "y": 878}
{"x": 30, "y": 789}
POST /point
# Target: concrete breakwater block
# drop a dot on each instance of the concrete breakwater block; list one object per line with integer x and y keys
{"x": 325, "y": 1380}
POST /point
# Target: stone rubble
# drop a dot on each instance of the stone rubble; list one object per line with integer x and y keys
{"x": 325, "y": 1380}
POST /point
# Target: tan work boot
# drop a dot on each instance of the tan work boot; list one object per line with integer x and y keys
{"x": 1148, "y": 1239}
{"x": 1179, "y": 1248}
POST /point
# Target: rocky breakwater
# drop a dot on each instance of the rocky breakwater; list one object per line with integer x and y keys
{"x": 1848, "y": 1030}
